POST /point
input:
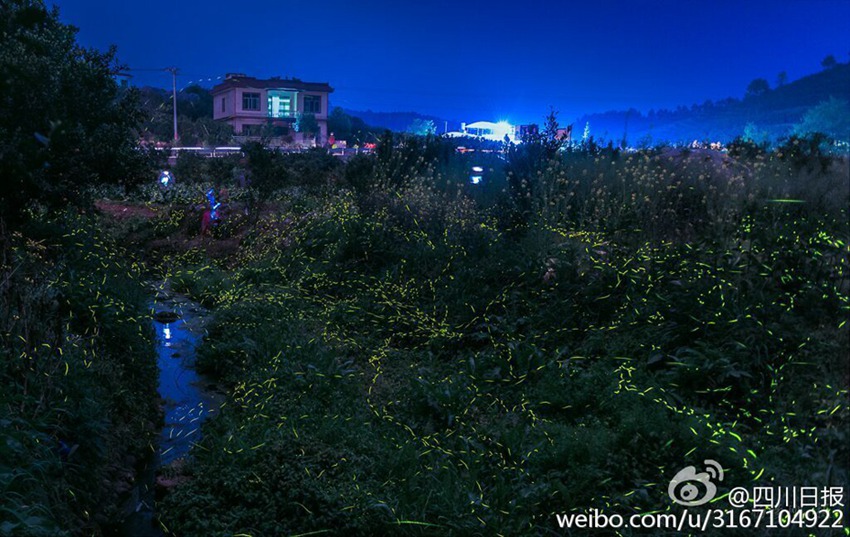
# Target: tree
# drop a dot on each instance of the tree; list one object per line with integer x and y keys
{"x": 214, "y": 132}
{"x": 422, "y": 127}
{"x": 754, "y": 135}
{"x": 781, "y": 79}
{"x": 759, "y": 86}
{"x": 339, "y": 123}
{"x": 829, "y": 62}
{"x": 195, "y": 102}
{"x": 202, "y": 131}
{"x": 525, "y": 165}
{"x": 350, "y": 128}
{"x": 831, "y": 118}
{"x": 65, "y": 124}
{"x": 266, "y": 171}
{"x": 307, "y": 124}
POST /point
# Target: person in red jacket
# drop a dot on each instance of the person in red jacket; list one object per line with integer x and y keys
{"x": 205, "y": 222}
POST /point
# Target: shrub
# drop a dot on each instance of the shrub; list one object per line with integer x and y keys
{"x": 77, "y": 378}
{"x": 73, "y": 139}
{"x": 397, "y": 363}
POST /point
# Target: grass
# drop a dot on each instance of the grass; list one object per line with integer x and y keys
{"x": 78, "y": 379}
{"x": 414, "y": 360}
{"x": 406, "y": 354}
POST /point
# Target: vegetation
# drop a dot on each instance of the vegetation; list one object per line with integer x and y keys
{"x": 54, "y": 142}
{"x": 195, "y": 125}
{"x": 777, "y": 112}
{"x": 831, "y": 118}
{"x": 405, "y": 355}
{"x": 759, "y": 86}
{"x": 395, "y": 121}
{"x": 77, "y": 373}
{"x": 422, "y": 127}
{"x": 77, "y": 379}
{"x": 408, "y": 353}
{"x": 307, "y": 124}
{"x": 350, "y": 128}
{"x": 829, "y": 62}
{"x": 405, "y": 352}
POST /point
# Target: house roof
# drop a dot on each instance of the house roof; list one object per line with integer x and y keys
{"x": 482, "y": 125}
{"x": 242, "y": 81}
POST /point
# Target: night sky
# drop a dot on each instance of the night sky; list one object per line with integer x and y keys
{"x": 477, "y": 60}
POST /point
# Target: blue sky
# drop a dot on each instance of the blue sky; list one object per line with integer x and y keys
{"x": 477, "y": 60}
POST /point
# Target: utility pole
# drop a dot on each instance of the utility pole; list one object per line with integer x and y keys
{"x": 173, "y": 71}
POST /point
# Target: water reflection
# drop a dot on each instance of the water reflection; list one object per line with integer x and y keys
{"x": 186, "y": 401}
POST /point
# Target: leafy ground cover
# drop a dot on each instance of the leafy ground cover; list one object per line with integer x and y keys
{"x": 77, "y": 379}
{"x": 407, "y": 356}
{"x": 405, "y": 353}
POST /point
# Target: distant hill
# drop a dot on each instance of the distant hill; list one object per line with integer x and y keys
{"x": 771, "y": 114}
{"x": 400, "y": 121}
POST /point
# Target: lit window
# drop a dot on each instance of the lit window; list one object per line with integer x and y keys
{"x": 312, "y": 104}
{"x": 281, "y": 104}
{"x": 251, "y": 101}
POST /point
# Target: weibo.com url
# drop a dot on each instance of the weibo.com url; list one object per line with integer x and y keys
{"x": 703, "y": 520}
{"x": 806, "y": 507}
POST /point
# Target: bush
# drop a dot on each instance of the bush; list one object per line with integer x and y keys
{"x": 50, "y": 153}
{"x": 397, "y": 363}
{"x": 77, "y": 378}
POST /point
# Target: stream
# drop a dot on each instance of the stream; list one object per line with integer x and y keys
{"x": 187, "y": 400}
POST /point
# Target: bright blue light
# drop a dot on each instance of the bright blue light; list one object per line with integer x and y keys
{"x": 476, "y": 176}
{"x": 214, "y": 205}
{"x": 503, "y": 128}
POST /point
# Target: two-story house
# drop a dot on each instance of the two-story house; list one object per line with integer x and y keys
{"x": 248, "y": 104}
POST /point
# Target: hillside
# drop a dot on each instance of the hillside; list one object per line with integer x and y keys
{"x": 771, "y": 114}
{"x": 400, "y": 121}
